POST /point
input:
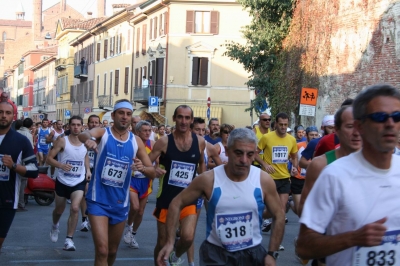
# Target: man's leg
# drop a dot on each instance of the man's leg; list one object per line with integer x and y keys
{"x": 190, "y": 251}
{"x": 296, "y": 200}
{"x": 188, "y": 229}
{"x": 56, "y": 215}
{"x": 100, "y": 234}
{"x": 284, "y": 197}
{"x": 40, "y": 155}
{"x": 161, "y": 239}
{"x": 134, "y": 207}
{"x": 21, "y": 200}
{"x": 6, "y": 219}
{"x": 114, "y": 238}
{"x": 138, "y": 217}
{"x": 85, "y": 223}
{"x": 76, "y": 198}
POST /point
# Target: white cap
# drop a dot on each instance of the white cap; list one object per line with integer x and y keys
{"x": 288, "y": 130}
{"x": 329, "y": 120}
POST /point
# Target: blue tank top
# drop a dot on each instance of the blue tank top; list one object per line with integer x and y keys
{"x": 112, "y": 171}
{"x": 42, "y": 139}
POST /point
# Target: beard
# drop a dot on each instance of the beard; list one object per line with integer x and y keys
{"x": 5, "y": 125}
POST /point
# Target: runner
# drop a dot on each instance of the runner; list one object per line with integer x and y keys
{"x": 224, "y": 132}
{"x": 135, "y": 119}
{"x": 56, "y": 131}
{"x": 105, "y": 123}
{"x": 263, "y": 127}
{"x": 181, "y": 153}
{"x": 108, "y": 198}
{"x": 351, "y": 214}
{"x": 140, "y": 188}
{"x": 225, "y": 187}
{"x": 16, "y": 160}
{"x": 73, "y": 167}
{"x": 161, "y": 132}
{"x": 43, "y": 146}
{"x": 300, "y": 133}
{"x": 213, "y": 126}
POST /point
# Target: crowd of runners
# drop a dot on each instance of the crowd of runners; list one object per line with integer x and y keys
{"x": 340, "y": 179}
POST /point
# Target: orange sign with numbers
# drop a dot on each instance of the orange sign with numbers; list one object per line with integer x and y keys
{"x": 309, "y": 96}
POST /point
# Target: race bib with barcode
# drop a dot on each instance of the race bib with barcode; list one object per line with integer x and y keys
{"x": 114, "y": 172}
{"x": 4, "y": 170}
{"x": 280, "y": 154}
{"x": 76, "y": 170}
{"x": 181, "y": 174}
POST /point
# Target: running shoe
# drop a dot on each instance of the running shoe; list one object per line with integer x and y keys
{"x": 54, "y": 234}
{"x": 134, "y": 244}
{"x": 68, "y": 201}
{"x": 69, "y": 245}
{"x": 128, "y": 234}
{"x": 286, "y": 220}
{"x": 281, "y": 247}
{"x": 85, "y": 226}
{"x": 266, "y": 226}
{"x": 174, "y": 261}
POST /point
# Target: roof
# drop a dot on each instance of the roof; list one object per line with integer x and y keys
{"x": 70, "y": 23}
{"x": 120, "y": 5}
{"x": 17, "y": 23}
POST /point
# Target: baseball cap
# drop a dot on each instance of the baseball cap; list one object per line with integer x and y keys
{"x": 288, "y": 130}
{"x": 54, "y": 121}
{"x": 329, "y": 120}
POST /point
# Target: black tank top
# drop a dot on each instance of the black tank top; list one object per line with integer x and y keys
{"x": 181, "y": 168}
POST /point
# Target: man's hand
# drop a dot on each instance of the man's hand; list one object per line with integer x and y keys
{"x": 7, "y": 161}
{"x": 88, "y": 175}
{"x": 294, "y": 171}
{"x": 137, "y": 165}
{"x": 163, "y": 255}
{"x": 269, "y": 261}
{"x": 370, "y": 234}
{"x": 91, "y": 145}
{"x": 66, "y": 167}
{"x": 160, "y": 172}
{"x": 268, "y": 168}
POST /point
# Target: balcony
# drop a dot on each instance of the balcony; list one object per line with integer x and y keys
{"x": 141, "y": 94}
{"x": 62, "y": 63}
{"x": 105, "y": 101}
{"x": 81, "y": 72}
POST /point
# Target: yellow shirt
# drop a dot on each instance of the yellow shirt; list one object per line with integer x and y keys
{"x": 259, "y": 136}
{"x": 277, "y": 151}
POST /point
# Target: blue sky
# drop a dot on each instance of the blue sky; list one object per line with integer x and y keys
{"x": 9, "y": 7}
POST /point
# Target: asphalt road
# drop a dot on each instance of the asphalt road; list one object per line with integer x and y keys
{"x": 28, "y": 241}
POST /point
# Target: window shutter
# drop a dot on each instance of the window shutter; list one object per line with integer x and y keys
{"x": 151, "y": 30}
{"x": 144, "y": 39}
{"x": 136, "y": 77}
{"x": 98, "y": 51}
{"x": 145, "y": 72}
{"x": 76, "y": 58}
{"x": 126, "y": 83}
{"x": 140, "y": 77}
{"x": 105, "y": 84}
{"x": 195, "y": 71}
{"x": 128, "y": 45}
{"x": 160, "y": 26}
{"x": 153, "y": 71}
{"x": 155, "y": 28}
{"x": 105, "y": 48}
{"x": 189, "y": 21}
{"x": 116, "y": 82}
{"x": 137, "y": 41}
{"x": 214, "y": 18}
{"x": 166, "y": 23}
{"x": 120, "y": 43}
{"x": 203, "y": 71}
{"x": 111, "y": 82}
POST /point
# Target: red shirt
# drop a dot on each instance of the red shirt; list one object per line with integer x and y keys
{"x": 327, "y": 143}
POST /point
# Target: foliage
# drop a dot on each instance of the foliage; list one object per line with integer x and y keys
{"x": 262, "y": 55}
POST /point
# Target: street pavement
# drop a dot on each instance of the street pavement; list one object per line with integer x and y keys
{"x": 28, "y": 241}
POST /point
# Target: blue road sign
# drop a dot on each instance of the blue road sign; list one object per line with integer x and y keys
{"x": 25, "y": 114}
{"x": 261, "y": 108}
{"x": 208, "y": 113}
{"x": 87, "y": 110}
{"x": 153, "y": 101}
{"x": 41, "y": 117}
{"x": 67, "y": 114}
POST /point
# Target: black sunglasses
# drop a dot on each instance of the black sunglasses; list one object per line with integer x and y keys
{"x": 382, "y": 117}
{"x": 226, "y": 132}
{"x": 266, "y": 119}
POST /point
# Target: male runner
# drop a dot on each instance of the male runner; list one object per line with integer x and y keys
{"x": 135, "y": 119}
{"x": 16, "y": 160}
{"x": 140, "y": 189}
{"x": 237, "y": 193}
{"x": 351, "y": 214}
{"x": 181, "y": 153}
{"x": 213, "y": 126}
{"x": 105, "y": 123}
{"x": 93, "y": 122}
{"x": 42, "y": 145}
{"x": 73, "y": 167}
{"x": 56, "y": 131}
{"x": 263, "y": 127}
{"x": 108, "y": 194}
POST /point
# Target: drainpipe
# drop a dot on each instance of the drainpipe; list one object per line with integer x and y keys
{"x": 133, "y": 56}
{"x": 166, "y": 60}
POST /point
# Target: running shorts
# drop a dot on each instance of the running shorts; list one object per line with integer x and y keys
{"x": 141, "y": 186}
{"x": 161, "y": 214}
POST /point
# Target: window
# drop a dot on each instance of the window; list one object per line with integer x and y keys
{"x": 200, "y": 71}
{"x": 4, "y": 36}
{"x": 163, "y": 24}
{"x": 151, "y": 30}
{"x": 105, "y": 48}
{"x": 155, "y": 27}
{"x": 128, "y": 40}
{"x": 98, "y": 85}
{"x": 98, "y": 52}
{"x": 137, "y": 42}
{"x": 90, "y": 90}
{"x": 25, "y": 100}
{"x": 105, "y": 83}
{"x": 111, "y": 82}
{"x": 116, "y": 82}
{"x": 136, "y": 77}
{"x": 119, "y": 47}
{"x": 126, "y": 82}
{"x": 112, "y": 44}
{"x": 144, "y": 39}
{"x": 202, "y": 22}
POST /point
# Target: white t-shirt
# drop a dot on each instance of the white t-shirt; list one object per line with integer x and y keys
{"x": 349, "y": 194}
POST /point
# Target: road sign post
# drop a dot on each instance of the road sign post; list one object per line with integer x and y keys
{"x": 67, "y": 114}
{"x": 153, "y": 104}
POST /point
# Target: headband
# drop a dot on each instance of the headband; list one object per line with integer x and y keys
{"x": 311, "y": 129}
{"x": 123, "y": 105}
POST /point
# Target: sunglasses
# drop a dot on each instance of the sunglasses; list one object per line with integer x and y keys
{"x": 266, "y": 119}
{"x": 226, "y": 132}
{"x": 382, "y": 117}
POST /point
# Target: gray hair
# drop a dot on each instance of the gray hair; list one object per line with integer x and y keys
{"x": 241, "y": 134}
{"x": 365, "y": 96}
{"x": 141, "y": 123}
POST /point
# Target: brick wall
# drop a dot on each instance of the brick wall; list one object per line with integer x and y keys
{"x": 344, "y": 46}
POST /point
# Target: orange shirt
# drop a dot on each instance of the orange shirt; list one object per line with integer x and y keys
{"x": 301, "y": 172}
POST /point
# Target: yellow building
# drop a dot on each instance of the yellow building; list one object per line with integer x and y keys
{"x": 179, "y": 44}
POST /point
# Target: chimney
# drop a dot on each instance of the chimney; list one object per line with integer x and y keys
{"x": 89, "y": 15}
{"x": 63, "y": 6}
{"x": 37, "y": 19}
{"x": 101, "y": 8}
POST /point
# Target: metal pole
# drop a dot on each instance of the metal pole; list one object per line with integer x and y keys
{"x": 159, "y": 113}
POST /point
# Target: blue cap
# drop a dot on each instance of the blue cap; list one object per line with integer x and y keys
{"x": 311, "y": 128}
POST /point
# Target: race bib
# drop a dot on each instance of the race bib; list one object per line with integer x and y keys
{"x": 76, "y": 170}
{"x": 387, "y": 253}
{"x": 181, "y": 174}
{"x": 42, "y": 141}
{"x": 4, "y": 171}
{"x": 280, "y": 154}
{"x": 235, "y": 230}
{"x": 91, "y": 158}
{"x": 303, "y": 172}
{"x": 114, "y": 172}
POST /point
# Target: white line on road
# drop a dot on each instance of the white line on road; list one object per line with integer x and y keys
{"x": 77, "y": 260}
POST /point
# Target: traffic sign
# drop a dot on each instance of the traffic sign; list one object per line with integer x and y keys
{"x": 87, "y": 110}
{"x": 153, "y": 104}
{"x": 208, "y": 102}
{"x": 25, "y": 114}
{"x": 261, "y": 107}
{"x": 41, "y": 117}
{"x": 208, "y": 113}
{"x": 309, "y": 96}
{"x": 67, "y": 114}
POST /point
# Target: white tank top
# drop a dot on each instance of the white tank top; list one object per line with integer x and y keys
{"x": 75, "y": 156}
{"x": 235, "y": 211}
{"x": 222, "y": 154}
{"x": 56, "y": 134}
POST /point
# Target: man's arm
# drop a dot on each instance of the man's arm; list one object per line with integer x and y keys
{"x": 85, "y": 138}
{"x": 49, "y": 138}
{"x": 148, "y": 169}
{"x": 304, "y": 163}
{"x": 295, "y": 163}
{"x": 59, "y": 145}
{"x": 213, "y": 154}
{"x": 201, "y": 168}
{"x": 159, "y": 147}
{"x": 87, "y": 167}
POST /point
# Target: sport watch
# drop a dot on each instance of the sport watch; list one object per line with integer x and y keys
{"x": 274, "y": 254}
{"x": 93, "y": 138}
{"x": 14, "y": 166}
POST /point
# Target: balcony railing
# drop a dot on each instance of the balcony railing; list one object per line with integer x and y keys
{"x": 81, "y": 71}
{"x": 62, "y": 63}
{"x": 105, "y": 101}
{"x": 142, "y": 94}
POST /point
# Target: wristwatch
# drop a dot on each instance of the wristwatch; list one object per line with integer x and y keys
{"x": 274, "y": 254}
{"x": 93, "y": 138}
{"x": 14, "y": 166}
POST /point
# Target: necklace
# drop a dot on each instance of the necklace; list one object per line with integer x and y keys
{"x": 120, "y": 135}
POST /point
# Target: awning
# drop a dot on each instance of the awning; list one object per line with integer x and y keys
{"x": 98, "y": 113}
{"x": 201, "y": 111}
{"x": 139, "y": 111}
{"x": 107, "y": 116}
{"x": 144, "y": 114}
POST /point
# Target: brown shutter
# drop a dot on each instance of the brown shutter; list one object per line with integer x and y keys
{"x": 128, "y": 41}
{"x": 203, "y": 71}
{"x": 140, "y": 77}
{"x": 145, "y": 72}
{"x": 105, "y": 48}
{"x": 136, "y": 77}
{"x": 155, "y": 28}
{"x": 116, "y": 82}
{"x": 166, "y": 23}
{"x": 151, "y": 30}
{"x": 148, "y": 74}
{"x": 137, "y": 41}
{"x": 160, "y": 26}
{"x": 120, "y": 43}
{"x": 144, "y": 39}
{"x": 214, "y": 22}
{"x": 126, "y": 80}
{"x": 189, "y": 21}
{"x": 195, "y": 71}
{"x": 153, "y": 71}
{"x": 98, "y": 51}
